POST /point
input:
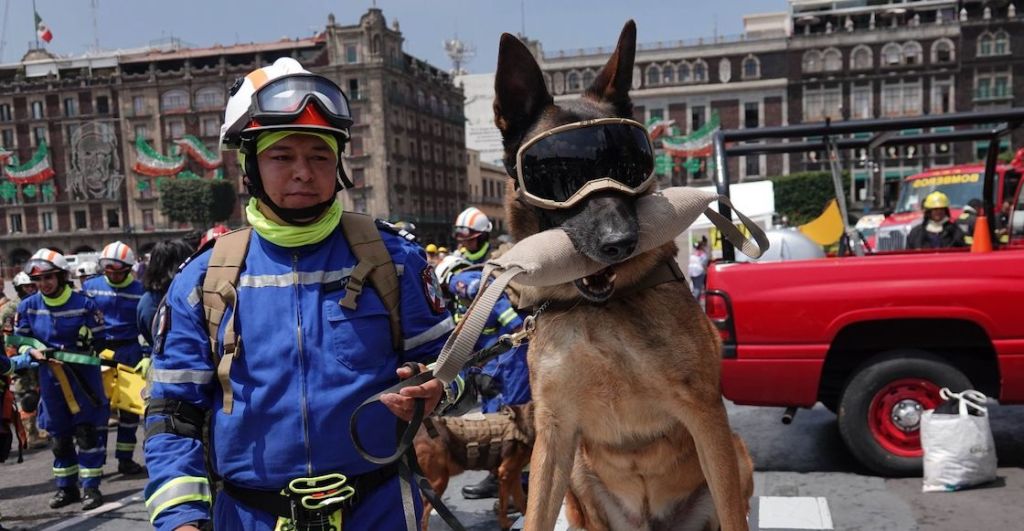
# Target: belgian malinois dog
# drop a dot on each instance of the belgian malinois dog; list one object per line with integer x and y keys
{"x": 631, "y": 429}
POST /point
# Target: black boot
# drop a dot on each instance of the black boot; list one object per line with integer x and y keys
{"x": 129, "y": 467}
{"x": 65, "y": 496}
{"x": 487, "y": 488}
{"x": 91, "y": 499}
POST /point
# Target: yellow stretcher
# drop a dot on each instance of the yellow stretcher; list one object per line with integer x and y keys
{"x": 123, "y": 386}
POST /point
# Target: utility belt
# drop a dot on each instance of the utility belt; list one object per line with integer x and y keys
{"x": 114, "y": 344}
{"x": 312, "y": 503}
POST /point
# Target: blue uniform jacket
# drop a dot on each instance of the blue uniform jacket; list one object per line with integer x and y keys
{"x": 509, "y": 370}
{"x": 58, "y": 327}
{"x": 119, "y": 313}
{"x": 306, "y": 363}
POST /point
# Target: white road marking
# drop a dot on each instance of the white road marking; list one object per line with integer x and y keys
{"x": 105, "y": 508}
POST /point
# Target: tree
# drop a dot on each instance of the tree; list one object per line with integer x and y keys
{"x": 197, "y": 201}
{"x": 802, "y": 196}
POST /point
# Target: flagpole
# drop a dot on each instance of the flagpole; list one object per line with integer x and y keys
{"x": 36, "y": 26}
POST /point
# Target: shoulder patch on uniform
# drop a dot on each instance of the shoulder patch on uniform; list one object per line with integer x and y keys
{"x": 158, "y": 328}
{"x": 395, "y": 229}
{"x": 432, "y": 290}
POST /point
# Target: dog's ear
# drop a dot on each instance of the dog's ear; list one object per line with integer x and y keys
{"x": 520, "y": 92}
{"x": 616, "y": 78}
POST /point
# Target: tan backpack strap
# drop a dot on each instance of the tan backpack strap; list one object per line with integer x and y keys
{"x": 373, "y": 263}
{"x": 219, "y": 293}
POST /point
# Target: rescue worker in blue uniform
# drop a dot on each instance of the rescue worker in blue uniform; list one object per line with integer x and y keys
{"x": 73, "y": 407}
{"x": 473, "y": 233}
{"x": 304, "y": 362}
{"x": 117, "y": 294}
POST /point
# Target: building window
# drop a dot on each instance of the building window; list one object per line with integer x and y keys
{"x": 15, "y": 224}
{"x": 46, "y": 220}
{"x": 985, "y": 44}
{"x": 901, "y": 98}
{"x": 102, "y": 105}
{"x": 141, "y": 131}
{"x": 993, "y": 85}
{"x": 357, "y": 146}
{"x": 668, "y": 74}
{"x": 861, "y": 58}
{"x": 37, "y": 110}
{"x": 697, "y": 117}
{"x": 210, "y": 127}
{"x": 139, "y": 105}
{"x": 353, "y": 89}
{"x": 8, "y": 139}
{"x": 700, "y": 71}
{"x": 145, "y": 187}
{"x": 147, "y": 218}
{"x": 175, "y": 129}
{"x": 684, "y": 72}
{"x": 359, "y": 177}
{"x": 572, "y": 82}
{"x": 751, "y": 115}
{"x": 821, "y": 103}
{"x": 81, "y": 220}
{"x": 113, "y": 218}
{"x": 833, "y": 60}
{"x": 942, "y": 96}
{"x": 351, "y": 54}
{"x": 70, "y": 107}
{"x": 1002, "y": 43}
{"x": 39, "y": 135}
{"x": 860, "y": 102}
{"x": 912, "y": 53}
{"x": 892, "y": 54}
{"x": 752, "y": 165}
{"x": 209, "y": 98}
{"x": 174, "y": 100}
{"x": 751, "y": 67}
{"x": 559, "y": 80}
{"x": 5, "y": 113}
{"x": 72, "y": 129}
{"x": 943, "y": 51}
{"x": 812, "y": 61}
{"x": 588, "y": 77}
{"x": 653, "y": 75}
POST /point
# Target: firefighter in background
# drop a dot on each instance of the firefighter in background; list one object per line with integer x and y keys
{"x": 937, "y": 230}
{"x": 73, "y": 407}
{"x": 86, "y": 271}
{"x": 117, "y": 294}
{"x": 431, "y": 250}
{"x": 473, "y": 233}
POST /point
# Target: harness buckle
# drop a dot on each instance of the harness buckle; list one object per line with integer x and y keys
{"x": 524, "y": 333}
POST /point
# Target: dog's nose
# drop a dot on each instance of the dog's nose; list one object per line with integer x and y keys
{"x": 618, "y": 246}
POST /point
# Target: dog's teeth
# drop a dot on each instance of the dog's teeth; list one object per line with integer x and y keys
{"x": 611, "y": 277}
{"x": 586, "y": 281}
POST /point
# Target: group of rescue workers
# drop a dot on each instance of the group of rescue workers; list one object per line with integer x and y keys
{"x": 266, "y": 341}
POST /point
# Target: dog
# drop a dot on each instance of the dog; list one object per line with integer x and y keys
{"x": 498, "y": 442}
{"x": 631, "y": 429}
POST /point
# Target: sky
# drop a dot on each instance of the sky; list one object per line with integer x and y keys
{"x": 425, "y": 24}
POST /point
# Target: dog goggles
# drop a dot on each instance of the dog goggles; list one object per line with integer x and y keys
{"x": 283, "y": 100}
{"x": 560, "y": 167}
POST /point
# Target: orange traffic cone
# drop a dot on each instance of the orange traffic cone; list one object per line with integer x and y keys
{"x": 982, "y": 238}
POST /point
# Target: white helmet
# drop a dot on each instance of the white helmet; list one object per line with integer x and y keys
{"x": 21, "y": 279}
{"x": 117, "y": 253}
{"x": 449, "y": 265}
{"x": 45, "y": 261}
{"x": 473, "y": 219}
{"x": 87, "y": 269}
{"x": 288, "y": 89}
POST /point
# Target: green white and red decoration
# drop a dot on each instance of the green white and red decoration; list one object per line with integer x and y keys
{"x": 36, "y": 170}
{"x": 149, "y": 161}
{"x": 42, "y": 30}
{"x": 695, "y": 144}
{"x": 659, "y": 127}
{"x": 194, "y": 148}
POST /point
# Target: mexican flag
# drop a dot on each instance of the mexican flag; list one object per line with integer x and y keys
{"x": 42, "y": 30}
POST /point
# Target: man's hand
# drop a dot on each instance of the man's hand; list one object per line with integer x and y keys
{"x": 402, "y": 404}
{"x": 36, "y": 354}
{"x": 187, "y": 527}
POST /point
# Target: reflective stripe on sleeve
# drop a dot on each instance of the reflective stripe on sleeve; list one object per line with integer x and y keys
{"x": 429, "y": 335}
{"x": 90, "y": 472}
{"x": 507, "y": 316}
{"x": 65, "y": 471}
{"x": 176, "y": 492}
{"x": 178, "y": 376}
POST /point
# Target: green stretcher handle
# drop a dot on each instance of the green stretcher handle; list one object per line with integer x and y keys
{"x": 59, "y": 355}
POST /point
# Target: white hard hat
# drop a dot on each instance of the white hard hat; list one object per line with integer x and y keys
{"x": 45, "y": 261}
{"x": 286, "y": 101}
{"x": 87, "y": 269}
{"x": 473, "y": 219}
{"x": 448, "y": 265}
{"x": 118, "y": 253}
{"x": 21, "y": 279}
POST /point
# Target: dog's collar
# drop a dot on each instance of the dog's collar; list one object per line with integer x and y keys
{"x": 664, "y": 272}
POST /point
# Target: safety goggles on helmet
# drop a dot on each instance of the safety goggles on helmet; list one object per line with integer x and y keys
{"x": 283, "y": 101}
{"x": 36, "y": 268}
{"x": 464, "y": 233}
{"x": 558, "y": 168}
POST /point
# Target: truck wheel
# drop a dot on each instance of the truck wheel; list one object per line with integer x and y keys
{"x": 881, "y": 407}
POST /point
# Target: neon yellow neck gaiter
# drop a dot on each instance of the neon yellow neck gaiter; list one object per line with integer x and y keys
{"x": 59, "y": 300}
{"x": 475, "y": 256}
{"x": 293, "y": 235}
{"x": 124, "y": 283}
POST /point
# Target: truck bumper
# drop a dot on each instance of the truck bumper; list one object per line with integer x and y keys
{"x": 777, "y": 382}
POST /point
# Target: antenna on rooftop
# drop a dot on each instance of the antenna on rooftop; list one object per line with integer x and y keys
{"x": 94, "y": 6}
{"x": 3, "y": 32}
{"x": 460, "y": 53}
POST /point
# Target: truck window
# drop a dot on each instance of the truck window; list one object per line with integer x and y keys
{"x": 1017, "y": 218}
{"x": 960, "y": 188}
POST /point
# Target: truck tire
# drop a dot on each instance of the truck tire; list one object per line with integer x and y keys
{"x": 880, "y": 410}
